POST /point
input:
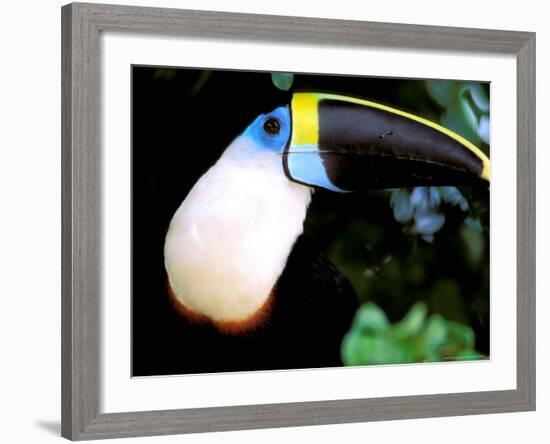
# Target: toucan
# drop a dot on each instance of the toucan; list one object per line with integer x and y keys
{"x": 242, "y": 277}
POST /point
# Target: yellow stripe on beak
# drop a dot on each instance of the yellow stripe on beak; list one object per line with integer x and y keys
{"x": 305, "y": 119}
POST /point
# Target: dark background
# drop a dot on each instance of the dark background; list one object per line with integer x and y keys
{"x": 182, "y": 121}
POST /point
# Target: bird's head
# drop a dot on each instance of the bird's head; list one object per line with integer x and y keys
{"x": 346, "y": 144}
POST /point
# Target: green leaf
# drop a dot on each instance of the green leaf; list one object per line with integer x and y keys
{"x": 473, "y": 223}
{"x": 461, "y": 334}
{"x": 484, "y": 129}
{"x": 372, "y": 340}
{"x": 453, "y": 196}
{"x": 412, "y": 323}
{"x": 435, "y": 337}
{"x": 282, "y": 80}
{"x": 468, "y": 114}
{"x": 474, "y": 243}
{"x": 371, "y": 319}
{"x": 479, "y": 97}
{"x": 354, "y": 349}
{"x": 442, "y": 91}
{"x": 375, "y": 350}
{"x": 403, "y": 210}
{"x": 469, "y": 355}
{"x": 461, "y": 119}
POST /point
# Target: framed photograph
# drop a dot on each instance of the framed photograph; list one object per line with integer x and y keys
{"x": 278, "y": 221}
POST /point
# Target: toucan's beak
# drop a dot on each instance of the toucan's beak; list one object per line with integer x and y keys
{"x": 347, "y": 144}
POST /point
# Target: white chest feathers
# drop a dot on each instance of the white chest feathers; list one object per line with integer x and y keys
{"x": 228, "y": 242}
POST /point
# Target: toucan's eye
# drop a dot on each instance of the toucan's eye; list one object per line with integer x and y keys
{"x": 272, "y": 126}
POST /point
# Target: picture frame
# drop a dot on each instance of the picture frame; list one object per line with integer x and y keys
{"x": 82, "y": 25}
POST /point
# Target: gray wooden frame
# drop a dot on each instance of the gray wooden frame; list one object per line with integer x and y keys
{"x": 81, "y": 166}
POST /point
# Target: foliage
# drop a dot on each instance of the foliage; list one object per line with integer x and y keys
{"x": 465, "y": 108}
{"x": 420, "y": 209}
{"x": 282, "y": 80}
{"x": 449, "y": 275}
{"x": 416, "y": 338}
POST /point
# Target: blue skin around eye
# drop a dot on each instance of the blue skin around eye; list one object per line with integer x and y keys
{"x": 305, "y": 165}
{"x": 272, "y": 142}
